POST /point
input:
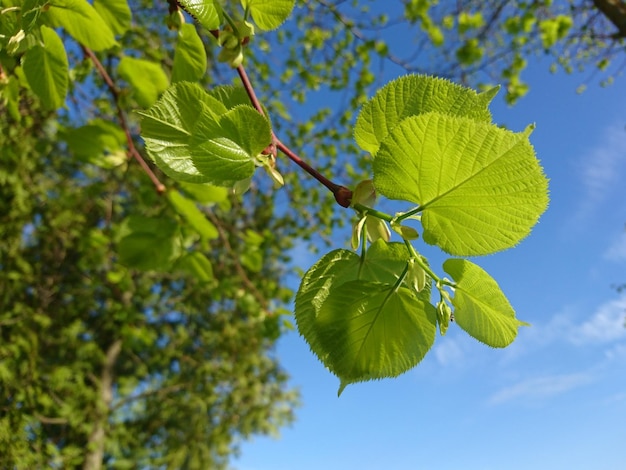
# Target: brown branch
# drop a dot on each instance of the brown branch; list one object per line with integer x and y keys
{"x": 615, "y": 12}
{"x": 342, "y": 194}
{"x": 132, "y": 150}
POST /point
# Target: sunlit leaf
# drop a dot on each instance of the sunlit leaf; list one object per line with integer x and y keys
{"x": 369, "y": 330}
{"x": 83, "y": 23}
{"x": 46, "y": 69}
{"x": 480, "y": 306}
{"x": 269, "y": 14}
{"x": 207, "y": 12}
{"x": 413, "y": 95}
{"x": 190, "y": 60}
{"x": 147, "y": 79}
{"x": 115, "y": 13}
{"x": 190, "y": 212}
{"x": 480, "y": 187}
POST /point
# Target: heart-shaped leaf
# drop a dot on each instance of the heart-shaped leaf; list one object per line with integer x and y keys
{"x": 480, "y": 187}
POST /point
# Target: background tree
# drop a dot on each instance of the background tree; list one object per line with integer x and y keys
{"x": 137, "y": 328}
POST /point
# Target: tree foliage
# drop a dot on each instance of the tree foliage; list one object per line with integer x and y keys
{"x": 143, "y": 260}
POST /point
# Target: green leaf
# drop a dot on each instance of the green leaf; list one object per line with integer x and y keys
{"x": 413, "y": 95}
{"x": 205, "y": 193}
{"x": 115, "y": 13}
{"x": 46, "y": 69}
{"x": 197, "y": 265}
{"x": 190, "y": 60}
{"x": 147, "y": 243}
{"x": 383, "y": 262}
{"x": 100, "y": 142}
{"x": 207, "y": 12}
{"x": 167, "y": 128}
{"x": 480, "y": 306}
{"x": 368, "y": 330}
{"x": 147, "y": 79}
{"x": 190, "y": 212}
{"x": 82, "y": 22}
{"x": 480, "y": 187}
{"x": 269, "y": 14}
{"x": 224, "y": 149}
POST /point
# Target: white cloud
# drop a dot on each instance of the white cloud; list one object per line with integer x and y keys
{"x": 605, "y": 325}
{"x": 539, "y": 388}
{"x": 448, "y": 352}
{"x": 601, "y": 167}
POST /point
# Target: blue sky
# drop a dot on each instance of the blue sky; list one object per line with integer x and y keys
{"x": 556, "y": 398}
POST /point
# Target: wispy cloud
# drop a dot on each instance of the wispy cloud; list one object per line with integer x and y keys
{"x": 604, "y": 326}
{"x": 448, "y": 352}
{"x": 600, "y": 168}
{"x": 540, "y": 388}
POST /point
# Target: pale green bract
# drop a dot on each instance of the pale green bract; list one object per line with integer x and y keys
{"x": 413, "y": 95}
{"x": 479, "y": 187}
{"x": 480, "y": 306}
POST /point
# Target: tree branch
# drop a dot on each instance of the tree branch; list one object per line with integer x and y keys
{"x": 132, "y": 150}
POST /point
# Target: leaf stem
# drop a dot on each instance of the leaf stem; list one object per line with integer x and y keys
{"x": 132, "y": 150}
{"x": 369, "y": 211}
{"x": 422, "y": 264}
{"x": 409, "y": 214}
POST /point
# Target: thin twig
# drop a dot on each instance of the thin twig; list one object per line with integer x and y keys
{"x": 132, "y": 150}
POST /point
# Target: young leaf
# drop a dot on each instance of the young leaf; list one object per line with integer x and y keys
{"x": 46, "y": 69}
{"x": 207, "y": 12}
{"x": 224, "y": 149}
{"x": 168, "y": 125}
{"x": 369, "y": 330}
{"x": 190, "y": 212}
{"x": 115, "y": 13}
{"x": 82, "y": 22}
{"x": 269, "y": 14}
{"x": 480, "y": 187}
{"x": 383, "y": 263}
{"x": 189, "y": 56}
{"x": 413, "y": 95}
{"x": 147, "y": 79}
{"x": 480, "y": 306}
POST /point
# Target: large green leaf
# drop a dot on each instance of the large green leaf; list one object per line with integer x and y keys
{"x": 167, "y": 128}
{"x": 189, "y": 56}
{"x": 480, "y": 306}
{"x": 413, "y": 95}
{"x": 83, "y": 23}
{"x": 190, "y": 212}
{"x": 147, "y": 79}
{"x": 383, "y": 262}
{"x": 46, "y": 69}
{"x": 269, "y": 14}
{"x": 370, "y": 330}
{"x": 224, "y": 149}
{"x": 115, "y": 13}
{"x": 100, "y": 142}
{"x": 207, "y": 12}
{"x": 480, "y": 187}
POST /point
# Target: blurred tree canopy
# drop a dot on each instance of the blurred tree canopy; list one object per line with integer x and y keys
{"x": 138, "y": 317}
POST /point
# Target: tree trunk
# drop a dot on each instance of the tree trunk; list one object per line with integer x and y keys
{"x": 95, "y": 445}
